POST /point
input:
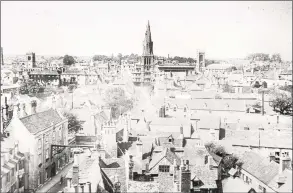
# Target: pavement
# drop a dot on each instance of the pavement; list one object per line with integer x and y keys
{"x": 54, "y": 180}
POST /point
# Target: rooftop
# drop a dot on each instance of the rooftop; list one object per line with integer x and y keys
{"x": 40, "y": 121}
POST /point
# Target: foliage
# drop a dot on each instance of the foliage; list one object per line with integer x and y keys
{"x": 287, "y": 88}
{"x": 276, "y": 58}
{"x": 30, "y": 87}
{"x": 258, "y": 57}
{"x": 229, "y": 160}
{"x": 118, "y": 102}
{"x": 281, "y": 103}
{"x": 68, "y": 60}
{"x": 71, "y": 87}
{"x": 228, "y": 88}
{"x": 74, "y": 124}
{"x": 183, "y": 59}
{"x": 100, "y": 57}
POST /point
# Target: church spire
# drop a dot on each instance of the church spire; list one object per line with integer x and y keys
{"x": 148, "y": 44}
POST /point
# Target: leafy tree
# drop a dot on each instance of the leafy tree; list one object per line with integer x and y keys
{"x": 281, "y": 103}
{"x": 74, "y": 124}
{"x": 118, "y": 102}
{"x": 68, "y": 60}
{"x": 276, "y": 58}
{"x": 99, "y": 57}
{"x": 258, "y": 57}
{"x": 30, "y": 87}
{"x": 228, "y": 88}
{"x": 229, "y": 160}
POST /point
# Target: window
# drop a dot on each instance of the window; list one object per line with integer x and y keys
{"x": 8, "y": 176}
{"x": 175, "y": 109}
{"x": 170, "y": 140}
{"x": 164, "y": 168}
{"x": 206, "y": 159}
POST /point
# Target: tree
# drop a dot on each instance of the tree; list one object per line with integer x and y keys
{"x": 227, "y": 88}
{"x": 118, "y": 102}
{"x": 74, "y": 124}
{"x": 229, "y": 160}
{"x": 30, "y": 87}
{"x": 71, "y": 87}
{"x": 68, "y": 60}
{"x": 281, "y": 103}
{"x": 276, "y": 58}
{"x": 258, "y": 57}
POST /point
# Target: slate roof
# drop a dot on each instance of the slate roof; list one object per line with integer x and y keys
{"x": 40, "y": 121}
{"x": 203, "y": 94}
{"x": 286, "y": 177}
{"x": 207, "y": 176}
{"x": 110, "y": 175}
{"x": 269, "y": 138}
{"x": 259, "y": 167}
{"x": 136, "y": 186}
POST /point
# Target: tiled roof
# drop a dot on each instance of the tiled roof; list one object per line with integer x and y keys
{"x": 207, "y": 176}
{"x": 269, "y": 138}
{"x": 40, "y": 121}
{"x": 120, "y": 172}
{"x": 45, "y": 72}
{"x": 259, "y": 167}
{"x": 207, "y": 121}
{"x": 136, "y": 186}
{"x": 286, "y": 177}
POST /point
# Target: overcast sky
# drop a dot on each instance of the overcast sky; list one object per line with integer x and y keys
{"x": 221, "y": 29}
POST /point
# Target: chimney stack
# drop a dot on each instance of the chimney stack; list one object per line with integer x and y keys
{"x": 285, "y": 162}
{"x": 15, "y": 111}
{"x": 139, "y": 148}
{"x": 22, "y": 110}
{"x": 185, "y": 179}
{"x": 33, "y": 107}
{"x": 75, "y": 173}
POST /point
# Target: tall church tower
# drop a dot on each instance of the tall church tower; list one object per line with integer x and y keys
{"x": 147, "y": 57}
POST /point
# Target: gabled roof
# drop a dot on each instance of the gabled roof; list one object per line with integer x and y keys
{"x": 40, "y": 121}
{"x": 204, "y": 174}
{"x": 259, "y": 167}
{"x": 168, "y": 154}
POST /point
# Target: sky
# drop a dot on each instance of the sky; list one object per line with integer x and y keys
{"x": 221, "y": 29}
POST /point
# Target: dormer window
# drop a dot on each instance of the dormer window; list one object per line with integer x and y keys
{"x": 170, "y": 140}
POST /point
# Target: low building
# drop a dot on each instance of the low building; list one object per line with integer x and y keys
{"x": 263, "y": 175}
{"x": 14, "y": 170}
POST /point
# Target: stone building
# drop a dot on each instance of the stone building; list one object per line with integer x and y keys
{"x": 14, "y": 168}
{"x": 31, "y": 60}
{"x": 143, "y": 73}
{"x": 36, "y": 133}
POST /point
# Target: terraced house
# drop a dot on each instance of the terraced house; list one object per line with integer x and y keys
{"x": 36, "y": 133}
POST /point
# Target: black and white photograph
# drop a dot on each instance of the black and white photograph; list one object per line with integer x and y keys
{"x": 146, "y": 96}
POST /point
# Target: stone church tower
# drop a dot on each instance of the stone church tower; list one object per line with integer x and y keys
{"x": 147, "y": 59}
